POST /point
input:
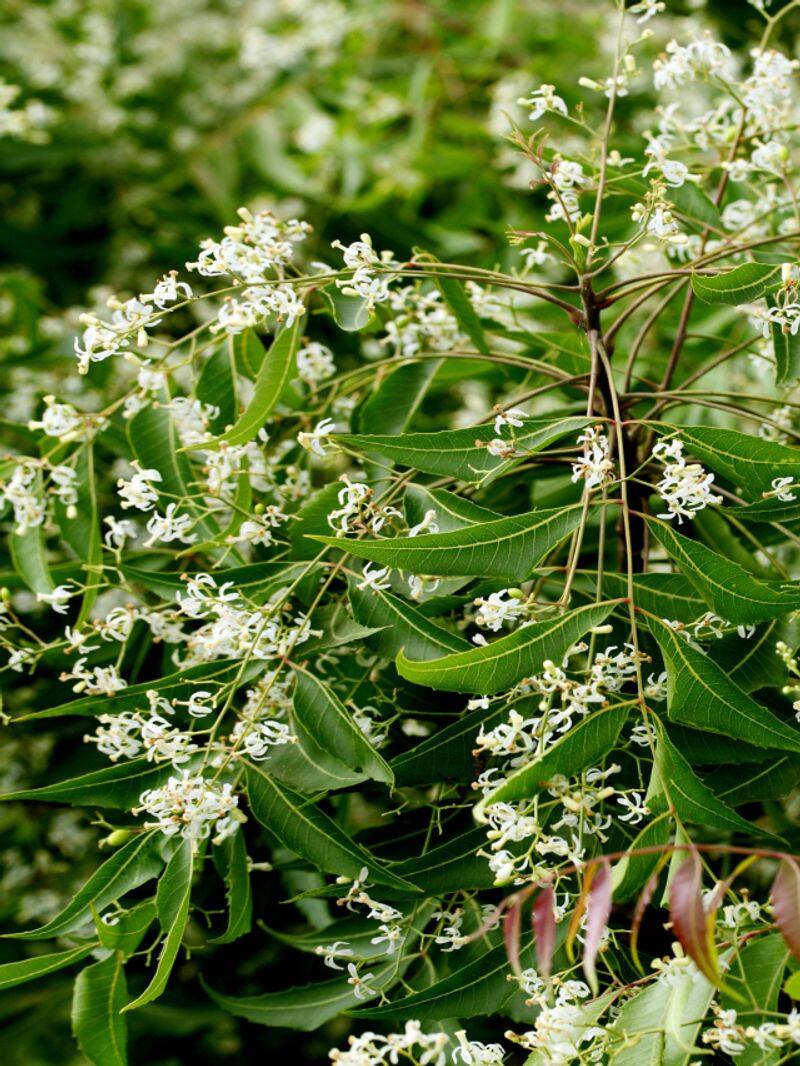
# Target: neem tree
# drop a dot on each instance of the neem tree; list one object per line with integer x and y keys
{"x": 482, "y": 698}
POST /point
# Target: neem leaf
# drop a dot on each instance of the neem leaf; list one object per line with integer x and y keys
{"x": 693, "y": 927}
{"x": 701, "y": 695}
{"x": 507, "y": 547}
{"x": 460, "y": 304}
{"x": 276, "y": 371}
{"x": 99, "y": 996}
{"x": 334, "y": 728}
{"x": 509, "y": 659}
{"x": 17, "y": 973}
{"x": 230, "y": 858}
{"x": 118, "y": 786}
{"x": 172, "y": 904}
{"x": 306, "y": 830}
{"x": 729, "y": 590}
{"x": 400, "y": 626}
{"x": 741, "y": 285}
{"x": 785, "y": 897}
{"x": 586, "y": 743}
{"x": 462, "y": 453}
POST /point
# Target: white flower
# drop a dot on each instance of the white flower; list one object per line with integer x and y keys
{"x": 595, "y": 465}
{"x": 542, "y": 100}
{"x": 315, "y": 362}
{"x": 317, "y": 440}
{"x": 58, "y": 419}
{"x": 684, "y": 487}
{"x": 361, "y": 989}
{"x": 513, "y": 417}
{"x": 372, "y": 578}
{"x": 170, "y": 526}
{"x": 331, "y": 952}
{"x": 191, "y": 807}
{"x": 58, "y": 599}
{"x": 138, "y": 491}
{"x": 118, "y": 531}
{"x": 783, "y": 488}
{"x": 474, "y": 1053}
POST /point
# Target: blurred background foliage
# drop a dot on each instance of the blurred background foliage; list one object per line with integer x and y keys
{"x": 147, "y": 123}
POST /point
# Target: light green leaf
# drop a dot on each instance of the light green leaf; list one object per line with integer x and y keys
{"x": 730, "y": 591}
{"x": 508, "y": 659}
{"x": 29, "y": 559}
{"x": 666, "y": 595}
{"x": 172, "y": 905}
{"x": 756, "y": 973}
{"x": 82, "y": 532}
{"x": 276, "y": 371}
{"x": 392, "y": 406}
{"x": 17, "y": 973}
{"x": 350, "y": 313}
{"x": 452, "y": 511}
{"x": 99, "y": 995}
{"x": 632, "y": 872}
{"x": 741, "y": 285}
{"x": 128, "y": 929}
{"x": 699, "y": 694}
{"x": 216, "y": 383}
{"x": 507, "y": 548}
{"x": 308, "y": 832}
{"x": 584, "y": 745}
{"x": 786, "y": 346}
{"x": 454, "y": 452}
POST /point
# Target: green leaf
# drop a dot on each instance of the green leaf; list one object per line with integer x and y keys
{"x": 17, "y": 973}
{"x": 29, "y": 559}
{"x": 454, "y": 452}
{"x": 248, "y": 352}
{"x": 452, "y": 511}
{"x": 786, "y": 346}
{"x": 100, "y": 994}
{"x": 460, "y": 304}
{"x": 730, "y": 591}
{"x": 118, "y": 786}
{"x": 632, "y": 872}
{"x": 128, "y": 928}
{"x": 333, "y": 728}
{"x": 741, "y": 285}
{"x": 693, "y": 801}
{"x": 393, "y": 404}
{"x": 82, "y": 532}
{"x": 507, "y": 548}
{"x": 447, "y": 755}
{"x": 481, "y": 987}
{"x": 172, "y": 905}
{"x": 350, "y": 313}
{"x": 750, "y": 663}
{"x": 665, "y": 595}
{"x": 308, "y": 1007}
{"x": 230, "y": 858}
{"x": 399, "y": 626}
{"x": 585, "y": 744}
{"x": 276, "y": 371}
{"x": 308, "y": 832}
{"x": 661, "y": 1023}
{"x": 507, "y": 660}
{"x": 769, "y": 780}
{"x": 756, "y": 973}
{"x": 177, "y": 686}
{"x": 216, "y": 384}
{"x": 699, "y": 694}
{"x": 453, "y": 866}
{"x": 130, "y": 866}
{"x": 694, "y": 205}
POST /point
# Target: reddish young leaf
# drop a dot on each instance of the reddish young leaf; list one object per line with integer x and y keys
{"x": 689, "y": 919}
{"x": 511, "y": 934}
{"x": 786, "y": 903}
{"x": 544, "y": 930}
{"x": 598, "y": 908}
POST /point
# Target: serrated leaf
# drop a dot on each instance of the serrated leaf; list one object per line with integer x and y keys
{"x": 453, "y": 866}
{"x": 756, "y": 973}
{"x": 230, "y": 858}
{"x": 452, "y": 511}
{"x": 786, "y": 346}
{"x": 584, "y": 745}
{"x": 632, "y": 872}
{"x": 276, "y": 371}
{"x": 320, "y": 711}
{"x": 17, "y": 973}
{"x": 118, "y": 786}
{"x": 81, "y": 529}
{"x": 454, "y": 452}
{"x": 476, "y": 989}
{"x": 99, "y": 995}
{"x": 764, "y": 781}
{"x": 507, "y": 660}
{"x": 730, "y": 591}
{"x": 399, "y": 625}
{"x": 699, "y": 694}
{"x": 307, "y": 831}
{"x": 216, "y": 383}
{"x": 692, "y": 800}
{"x": 132, "y": 865}
{"x": 741, "y": 285}
{"x": 507, "y": 548}
{"x": 172, "y": 905}
{"x": 29, "y": 559}
{"x": 665, "y": 595}
{"x": 393, "y": 404}
{"x": 128, "y": 928}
